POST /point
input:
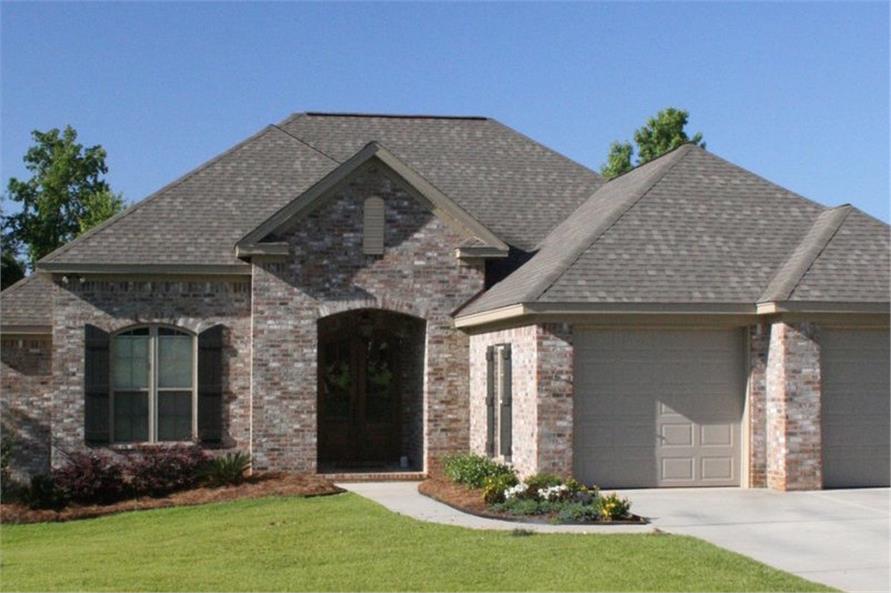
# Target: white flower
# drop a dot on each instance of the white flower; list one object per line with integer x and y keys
{"x": 515, "y": 491}
{"x": 553, "y": 492}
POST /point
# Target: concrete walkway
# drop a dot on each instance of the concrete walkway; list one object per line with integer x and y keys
{"x": 836, "y": 537}
{"x": 404, "y": 498}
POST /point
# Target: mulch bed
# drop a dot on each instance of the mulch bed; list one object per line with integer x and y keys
{"x": 470, "y": 500}
{"x": 256, "y": 486}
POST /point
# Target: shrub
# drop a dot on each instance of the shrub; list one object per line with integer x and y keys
{"x": 472, "y": 470}
{"x": 162, "y": 470}
{"x": 538, "y": 482}
{"x": 613, "y": 507}
{"x": 577, "y": 512}
{"x": 89, "y": 478}
{"x": 520, "y": 506}
{"x": 44, "y": 494}
{"x": 226, "y": 470}
{"x": 495, "y": 486}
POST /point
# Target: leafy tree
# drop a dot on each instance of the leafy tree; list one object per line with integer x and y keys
{"x": 11, "y": 268}
{"x": 660, "y": 134}
{"x": 65, "y": 196}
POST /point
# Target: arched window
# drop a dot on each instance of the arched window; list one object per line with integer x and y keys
{"x": 153, "y": 385}
{"x": 373, "y": 227}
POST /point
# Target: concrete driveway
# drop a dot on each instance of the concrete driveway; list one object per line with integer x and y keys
{"x": 836, "y": 537}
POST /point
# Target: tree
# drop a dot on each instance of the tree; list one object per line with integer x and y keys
{"x": 660, "y": 134}
{"x": 11, "y": 268}
{"x": 65, "y": 196}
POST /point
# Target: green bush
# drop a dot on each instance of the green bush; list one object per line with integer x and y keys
{"x": 494, "y": 487}
{"x": 44, "y": 493}
{"x": 227, "y": 470}
{"x": 577, "y": 512}
{"x": 538, "y": 482}
{"x": 613, "y": 507}
{"x": 473, "y": 470}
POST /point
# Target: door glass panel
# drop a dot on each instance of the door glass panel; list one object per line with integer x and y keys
{"x": 337, "y": 380}
{"x": 379, "y": 380}
{"x": 130, "y": 416}
{"x": 174, "y": 360}
{"x": 174, "y": 415}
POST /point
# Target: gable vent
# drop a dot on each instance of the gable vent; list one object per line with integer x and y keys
{"x": 373, "y": 227}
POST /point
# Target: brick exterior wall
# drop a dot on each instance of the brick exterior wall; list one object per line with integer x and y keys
{"x": 26, "y": 388}
{"x": 326, "y": 273}
{"x": 759, "y": 343}
{"x": 112, "y": 305}
{"x": 793, "y": 390}
{"x": 541, "y": 366}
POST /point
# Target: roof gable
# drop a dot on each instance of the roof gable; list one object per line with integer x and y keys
{"x": 441, "y": 205}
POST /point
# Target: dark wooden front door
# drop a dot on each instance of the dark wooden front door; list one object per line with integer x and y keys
{"x": 359, "y": 420}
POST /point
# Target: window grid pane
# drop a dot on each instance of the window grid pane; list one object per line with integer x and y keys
{"x": 174, "y": 415}
{"x": 131, "y": 362}
{"x": 175, "y": 361}
{"x": 131, "y": 416}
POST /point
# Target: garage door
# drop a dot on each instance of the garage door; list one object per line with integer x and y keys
{"x": 658, "y": 408}
{"x": 856, "y": 394}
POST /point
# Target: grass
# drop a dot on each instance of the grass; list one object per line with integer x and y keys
{"x": 346, "y": 543}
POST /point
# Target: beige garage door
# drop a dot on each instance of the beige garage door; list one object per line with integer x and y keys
{"x": 658, "y": 408}
{"x": 856, "y": 394}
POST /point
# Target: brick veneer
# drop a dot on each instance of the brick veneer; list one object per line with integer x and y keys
{"x": 793, "y": 391}
{"x": 112, "y": 305}
{"x": 759, "y": 343}
{"x": 326, "y": 273}
{"x": 541, "y": 365}
{"x": 26, "y": 386}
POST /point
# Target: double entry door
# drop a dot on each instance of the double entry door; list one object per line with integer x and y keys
{"x": 359, "y": 402}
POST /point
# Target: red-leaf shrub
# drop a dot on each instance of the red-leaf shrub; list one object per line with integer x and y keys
{"x": 162, "y": 470}
{"x": 90, "y": 478}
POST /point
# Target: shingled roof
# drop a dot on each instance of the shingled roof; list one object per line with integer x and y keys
{"x": 514, "y": 186}
{"x": 692, "y": 228}
{"x": 26, "y": 306}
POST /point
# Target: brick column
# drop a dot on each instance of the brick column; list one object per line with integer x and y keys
{"x": 555, "y": 354}
{"x": 793, "y": 408}
{"x": 759, "y": 342}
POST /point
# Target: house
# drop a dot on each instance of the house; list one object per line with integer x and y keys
{"x": 344, "y": 292}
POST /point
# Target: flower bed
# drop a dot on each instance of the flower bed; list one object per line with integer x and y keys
{"x": 256, "y": 486}
{"x": 480, "y": 486}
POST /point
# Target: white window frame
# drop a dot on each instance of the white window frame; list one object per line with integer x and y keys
{"x": 153, "y": 390}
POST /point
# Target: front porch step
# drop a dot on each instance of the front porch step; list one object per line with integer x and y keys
{"x": 375, "y": 476}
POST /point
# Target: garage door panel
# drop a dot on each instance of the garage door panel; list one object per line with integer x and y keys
{"x": 856, "y": 403}
{"x": 670, "y": 402}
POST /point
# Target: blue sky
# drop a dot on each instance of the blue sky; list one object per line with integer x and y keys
{"x": 796, "y": 92}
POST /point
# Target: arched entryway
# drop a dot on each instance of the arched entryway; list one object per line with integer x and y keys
{"x": 370, "y": 386}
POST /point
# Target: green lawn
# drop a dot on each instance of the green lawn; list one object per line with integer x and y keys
{"x": 346, "y": 543}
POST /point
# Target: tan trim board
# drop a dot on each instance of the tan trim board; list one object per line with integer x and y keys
{"x": 25, "y": 330}
{"x": 480, "y": 253}
{"x": 270, "y": 248}
{"x": 769, "y": 308}
{"x": 173, "y": 269}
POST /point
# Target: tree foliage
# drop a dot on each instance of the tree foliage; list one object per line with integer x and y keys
{"x": 65, "y": 196}
{"x": 660, "y": 134}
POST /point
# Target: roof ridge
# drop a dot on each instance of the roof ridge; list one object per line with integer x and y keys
{"x": 812, "y": 244}
{"x": 757, "y": 176}
{"x": 622, "y": 207}
{"x": 18, "y": 284}
{"x": 391, "y": 115}
{"x": 547, "y": 148}
{"x": 664, "y": 154}
{"x": 302, "y": 141}
{"x": 152, "y": 196}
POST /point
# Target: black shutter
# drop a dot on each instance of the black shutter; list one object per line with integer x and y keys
{"x": 210, "y": 385}
{"x": 506, "y": 402}
{"x": 490, "y": 401}
{"x": 96, "y": 388}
